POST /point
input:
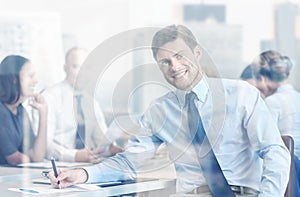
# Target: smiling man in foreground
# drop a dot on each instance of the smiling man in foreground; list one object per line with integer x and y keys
{"x": 219, "y": 133}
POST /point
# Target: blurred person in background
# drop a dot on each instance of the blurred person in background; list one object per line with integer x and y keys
{"x": 74, "y": 133}
{"x": 271, "y": 71}
{"x": 18, "y": 144}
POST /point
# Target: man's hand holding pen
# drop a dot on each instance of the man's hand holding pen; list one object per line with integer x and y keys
{"x": 55, "y": 171}
{"x": 67, "y": 177}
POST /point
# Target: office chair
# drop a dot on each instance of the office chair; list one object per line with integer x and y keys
{"x": 289, "y": 143}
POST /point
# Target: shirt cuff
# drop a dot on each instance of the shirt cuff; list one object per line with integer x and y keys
{"x": 103, "y": 172}
{"x": 93, "y": 173}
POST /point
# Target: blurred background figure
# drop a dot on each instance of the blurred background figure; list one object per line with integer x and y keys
{"x": 266, "y": 77}
{"x": 74, "y": 132}
{"x": 272, "y": 71}
{"x": 18, "y": 144}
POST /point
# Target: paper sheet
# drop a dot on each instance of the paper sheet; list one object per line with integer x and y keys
{"x": 50, "y": 190}
{"x": 47, "y": 164}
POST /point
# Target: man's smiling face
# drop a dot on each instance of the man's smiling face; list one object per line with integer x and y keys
{"x": 179, "y": 64}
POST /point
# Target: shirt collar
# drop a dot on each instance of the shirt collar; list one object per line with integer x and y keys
{"x": 201, "y": 90}
{"x": 72, "y": 89}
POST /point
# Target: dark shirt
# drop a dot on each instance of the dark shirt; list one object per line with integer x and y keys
{"x": 16, "y": 133}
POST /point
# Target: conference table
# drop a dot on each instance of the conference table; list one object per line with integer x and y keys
{"x": 158, "y": 181}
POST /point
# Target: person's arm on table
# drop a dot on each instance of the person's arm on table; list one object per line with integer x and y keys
{"x": 122, "y": 166}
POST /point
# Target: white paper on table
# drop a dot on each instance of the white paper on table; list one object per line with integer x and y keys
{"x": 47, "y": 164}
{"x": 51, "y": 190}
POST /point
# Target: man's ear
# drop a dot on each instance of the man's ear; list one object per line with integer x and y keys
{"x": 198, "y": 52}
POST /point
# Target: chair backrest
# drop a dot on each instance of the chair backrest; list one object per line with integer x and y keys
{"x": 289, "y": 143}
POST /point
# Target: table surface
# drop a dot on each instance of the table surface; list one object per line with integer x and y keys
{"x": 160, "y": 172}
{"x": 8, "y": 174}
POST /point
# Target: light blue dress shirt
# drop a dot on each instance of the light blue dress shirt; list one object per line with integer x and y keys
{"x": 284, "y": 106}
{"x": 245, "y": 139}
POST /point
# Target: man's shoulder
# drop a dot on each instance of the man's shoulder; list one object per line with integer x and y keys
{"x": 233, "y": 88}
{"x": 229, "y": 84}
{"x": 54, "y": 90}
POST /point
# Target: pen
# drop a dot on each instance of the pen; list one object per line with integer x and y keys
{"x": 55, "y": 171}
{"x": 29, "y": 191}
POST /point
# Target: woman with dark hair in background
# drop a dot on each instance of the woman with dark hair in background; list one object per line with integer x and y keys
{"x": 18, "y": 144}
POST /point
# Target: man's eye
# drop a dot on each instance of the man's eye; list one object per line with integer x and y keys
{"x": 165, "y": 63}
{"x": 179, "y": 57}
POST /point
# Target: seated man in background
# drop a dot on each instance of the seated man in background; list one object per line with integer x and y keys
{"x": 73, "y": 133}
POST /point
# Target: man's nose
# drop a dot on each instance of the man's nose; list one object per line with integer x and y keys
{"x": 174, "y": 63}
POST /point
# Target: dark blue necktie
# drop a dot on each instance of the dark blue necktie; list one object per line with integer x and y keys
{"x": 211, "y": 169}
{"x": 80, "y": 133}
